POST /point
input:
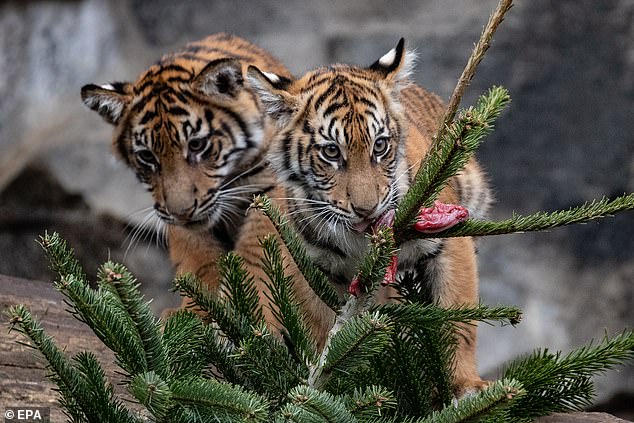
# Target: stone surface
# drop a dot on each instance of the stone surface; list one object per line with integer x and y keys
{"x": 565, "y": 139}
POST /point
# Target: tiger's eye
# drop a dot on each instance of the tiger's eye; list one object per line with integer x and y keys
{"x": 380, "y": 146}
{"x": 146, "y": 157}
{"x": 331, "y": 152}
{"x": 197, "y": 145}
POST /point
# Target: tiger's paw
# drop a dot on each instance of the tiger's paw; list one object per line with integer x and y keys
{"x": 467, "y": 388}
{"x": 439, "y": 217}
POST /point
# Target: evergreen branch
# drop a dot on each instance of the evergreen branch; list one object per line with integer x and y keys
{"x": 123, "y": 285}
{"x": 67, "y": 377}
{"x": 220, "y": 353}
{"x": 320, "y": 406}
{"x": 61, "y": 259}
{"x": 474, "y": 60}
{"x": 559, "y": 384}
{"x": 153, "y": 392}
{"x": 238, "y": 287}
{"x": 183, "y": 342}
{"x": 352, "y": 347}
{"x": 450, "y": 153}
{"x": 219, "y": 401}
{"x": 416, "y": 367}
{"x": 426, "y": 315}
{"x": 317, "y": 280}
{"x": 539, "y": 221}
{"x": 101, "y": 310}
{"x": 232, "y": 323}
{"x": 376, "y": 260}
{"x": 294, "y": 413}
{"x": 267, "y": 363}
{"x": 104, "y": 407}
{"x": 287, "y": 310}
{"x": 493, "y": 401}
{"x": 491, "y": 404}
{"x": 356, "y": 343}
{"x": 373, "y": 401}
{"x": 112, "y": 326}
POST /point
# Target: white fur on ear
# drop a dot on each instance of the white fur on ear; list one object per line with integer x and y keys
{"x": 409, "y": 63}
{"x": 397, "y": 64}
{"x": 271, "y": 76}
{"x": 277, "y": 101}
{"x": 387, "y": 59}
{"x": 108, "y": 100}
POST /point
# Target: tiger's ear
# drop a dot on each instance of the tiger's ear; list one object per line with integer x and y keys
{"x": 272, "y": 89}
{"x": 220, "y": 78}
{"x": 109, "y": 100}
{"x": 396, "y": 65}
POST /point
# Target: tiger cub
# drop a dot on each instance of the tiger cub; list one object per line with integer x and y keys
{"x": 195, "y": 134}
{"x": 348, "y": 144}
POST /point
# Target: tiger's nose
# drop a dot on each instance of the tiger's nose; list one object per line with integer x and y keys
{"x": 363, "y": 210}
{"x": 183, "y": 214}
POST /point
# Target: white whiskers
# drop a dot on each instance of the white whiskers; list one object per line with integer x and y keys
{"x": 148, "y": 228}
{"x": 241, "y": 175}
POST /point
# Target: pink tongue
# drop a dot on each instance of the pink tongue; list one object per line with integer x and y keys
{"x": 361, "y": 226}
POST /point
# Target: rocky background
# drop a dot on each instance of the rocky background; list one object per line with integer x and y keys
{"x": 566, "y": 138}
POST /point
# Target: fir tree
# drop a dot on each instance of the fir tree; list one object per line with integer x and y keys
{"x": 381, "y": 363}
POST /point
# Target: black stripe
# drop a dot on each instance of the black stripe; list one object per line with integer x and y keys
{"x": 334, "y": 107}
{"x": 191, "y": 57}
{"x": 287, "y": 148}
{"x": 243, "y": 126}
{"x": 224, "y": 236}
{"x": 149, "y": 115}
{"x": 331, "y": 89}
{"x": 140, "y": 104}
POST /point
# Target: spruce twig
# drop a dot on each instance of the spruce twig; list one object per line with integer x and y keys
{"x": 311, "y": 405}
{"x": 119, "y": 281}
{"x": 374, "y": 263}
{"x": 317, "y": 280}
{"x": 234, "y": 324}
{"x": 272, "y": 370}
{"x": 425, "y": 315}
{"x": 493, "y": 402}
{"x": 556, "y": 383}
{"x": 413, "y": 201}
{"x": 355, "y": 345}
{"x": 539, "y": 221}
{"x": 285, "y": 307}
{"x": 239, "y": 288}
{"x": 218, "y": 401}
{"x": 372, "y": 401}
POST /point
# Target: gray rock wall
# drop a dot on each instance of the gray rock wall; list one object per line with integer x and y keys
{"x": 566, "y": 138}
